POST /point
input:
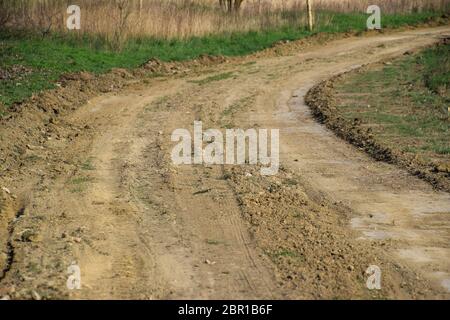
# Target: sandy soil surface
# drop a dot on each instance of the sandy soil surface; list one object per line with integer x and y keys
{"x": 94, "y": 185}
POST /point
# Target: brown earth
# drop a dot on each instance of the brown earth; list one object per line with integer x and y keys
{"x": 89, "y": 180}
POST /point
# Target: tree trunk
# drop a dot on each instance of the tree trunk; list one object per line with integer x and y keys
{"x": 231, "y": 5}
{"x": 310, "y": 14}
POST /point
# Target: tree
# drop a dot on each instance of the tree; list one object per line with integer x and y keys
{"x": 231, "y": 5}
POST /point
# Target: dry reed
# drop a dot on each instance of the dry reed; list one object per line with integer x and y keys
{"x": 116, "y": 20}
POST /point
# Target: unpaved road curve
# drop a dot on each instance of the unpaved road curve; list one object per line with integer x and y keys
{"x": 140, "y": 227}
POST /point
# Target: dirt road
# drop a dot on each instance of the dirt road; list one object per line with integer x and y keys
{"x": 102, "y": 193}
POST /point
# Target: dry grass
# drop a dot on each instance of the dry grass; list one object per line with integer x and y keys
{"x": 119, "y": 19}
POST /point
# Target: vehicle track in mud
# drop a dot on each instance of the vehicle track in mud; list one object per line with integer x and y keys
{"x": 108, "y": 197}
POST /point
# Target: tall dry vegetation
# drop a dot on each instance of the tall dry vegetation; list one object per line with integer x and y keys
{"x": 116, "y": 20}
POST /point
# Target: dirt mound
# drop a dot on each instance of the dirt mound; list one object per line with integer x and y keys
{"x": 31, "y": 122}
{"x": 206, "y": 59}
{"x": 309, "y": 241}
{"x": 76, "y": 76}
{"x": 157, "y": 66}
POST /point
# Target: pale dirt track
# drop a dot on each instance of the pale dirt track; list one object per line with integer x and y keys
{"x": 138, "y": 228}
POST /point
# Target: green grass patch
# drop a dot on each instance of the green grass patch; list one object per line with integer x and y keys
{"x": 405, "y": 103}
{"x": 80, "y": 180}
{"x": 88, "y": 165}
{"x": 79, "y": 184}
{"x": 436, "y": 66}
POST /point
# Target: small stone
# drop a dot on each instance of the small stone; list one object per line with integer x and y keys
{"x": 6, "y": 190}
{"x": 36, "y": 295}
{"x": 27, "y": 235}
{"x": 444, "y": 167}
